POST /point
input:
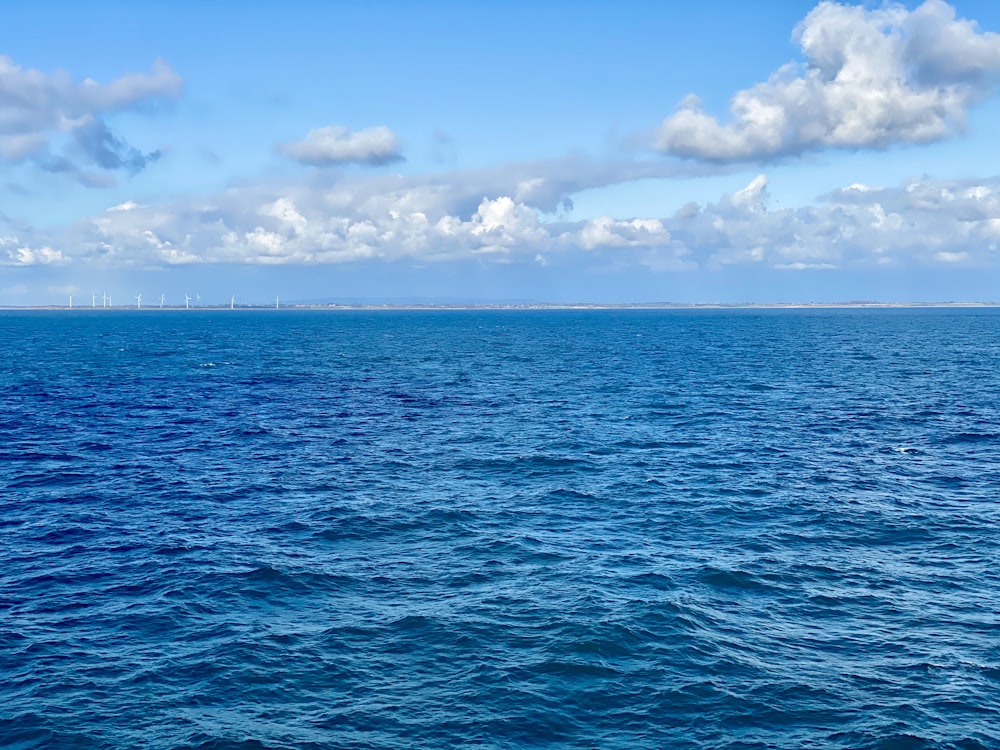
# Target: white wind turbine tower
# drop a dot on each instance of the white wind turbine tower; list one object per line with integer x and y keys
{"x": 138, "y": 301}
{"x": 104, "y": 300}
{"x": 71, "y": 302}
{"x": 276, "y": 302}
{"x": 187, "y": 302}
{"x": 162, "y": 296}
{"x": 197, "y": 299}
{"x": 93, "y": 300}
{"x": 232, "y": 302}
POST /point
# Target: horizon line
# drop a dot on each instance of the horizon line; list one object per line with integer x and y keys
{"x": 581, "y": 305}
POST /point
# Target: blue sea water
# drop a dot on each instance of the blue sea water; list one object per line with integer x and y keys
{"x": 500, "y": 529}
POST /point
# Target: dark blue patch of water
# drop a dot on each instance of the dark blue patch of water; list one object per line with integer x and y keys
{"x": 615, "y": 529}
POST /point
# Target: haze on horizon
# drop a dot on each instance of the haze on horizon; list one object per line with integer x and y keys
{"x": 549, "y": 152}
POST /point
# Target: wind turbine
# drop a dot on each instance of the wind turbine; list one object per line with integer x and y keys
{"x": 104, "y": 300}
{"x": 138, "y": 301}
{"x": 232, "y": 302}
{"x": 93, "y": 300}
{"x": 187, "y": 302}
{"x": 276, "y": 302}
{"x": 71, "y": 302}
{"x": 161, "y": 299}
{"x": 197, "y": 299}
{"x": 109, "y": 301}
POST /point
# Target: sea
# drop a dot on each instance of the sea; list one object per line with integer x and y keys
{"x": 704, "y": 528}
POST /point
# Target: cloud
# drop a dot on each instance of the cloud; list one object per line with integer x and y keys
{"x": 606, "y": 232}
{"x": 100, "y": 146}
{"x": 443, "y": 149}
{"x": 15, "y": 253}
{"x": 36, "y": 102}
{"x": 19, "y": 147}
{"x": 126, "y": 206}
{"x": 925, "y": 222}
{"x": 496, "y": 215}
{"x": 335, "y": 145}
{"x": 872, "y": 78}
{"x": 210, "y": 157}
{"x": 545, "y": 185}
{"x": 38, "y": 107}
{"x": 500, "y": 225}
{"x": 505, "y": 216}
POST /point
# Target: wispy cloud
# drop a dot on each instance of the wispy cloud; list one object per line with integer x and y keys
{"x": 871, "y": 78}
{"x": 96, "y": 142}
{"x": 38, "y": 106}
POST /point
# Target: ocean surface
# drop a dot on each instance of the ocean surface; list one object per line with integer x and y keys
{"x": 500, "y": 529}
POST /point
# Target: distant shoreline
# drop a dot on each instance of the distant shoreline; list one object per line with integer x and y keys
{"x": 333, "y": 307}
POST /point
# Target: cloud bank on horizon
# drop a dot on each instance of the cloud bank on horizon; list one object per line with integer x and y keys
{"x": 870, "y": 79}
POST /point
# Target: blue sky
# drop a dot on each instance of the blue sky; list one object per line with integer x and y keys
{"x": 557, "y": 152}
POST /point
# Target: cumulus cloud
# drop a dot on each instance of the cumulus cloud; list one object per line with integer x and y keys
{"x": 13, "y": 252}
{"x": 335, "y": 145}
{"x": 488, "y": 217}
{"x": 496, "y": 215}
{"x": 285, "y": 212}
{"x": 924, "y": 222}
{"x": 39, "y": 106}
{"x": 871, "y": 78}
{"x": 607, "y": 232}
{"x": 500, "y": 226}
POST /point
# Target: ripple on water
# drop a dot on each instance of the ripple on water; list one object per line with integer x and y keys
{"x": 605, "y": 529}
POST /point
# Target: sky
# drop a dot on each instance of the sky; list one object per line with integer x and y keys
{"x": 492, "y": 153}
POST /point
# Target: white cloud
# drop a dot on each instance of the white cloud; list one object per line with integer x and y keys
{"x": 338, "y": 145}
{"x": 126, "y": 206}
{"x": 607, "y": 232}
{"x": 36, "y": 102}
{"x": 21, "y": 254}
{"x": 38, "y": 106}
{"x": 442, "y": 219}
{"x": 284, "y": 211}
{"x": 800, "y": 266}
{"x": 924, "y": 222}
{"x": 872, "y": 78}
{"x": 753, "y": 197}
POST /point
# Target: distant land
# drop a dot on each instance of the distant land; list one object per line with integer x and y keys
{"x": 317, "y": 305}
